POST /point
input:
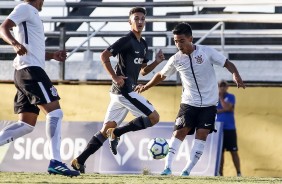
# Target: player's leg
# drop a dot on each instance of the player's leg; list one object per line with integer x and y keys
{"x": 221, "y": 164}
{"x": 174, "y": 144}
{"x": 23, "y": 126}
{"x": 26, "y": 111}
{"x": 41, "y": 92}
{"x": 183, "y": 125}
{"x": 146, "y": 115}
{"x": 225, "y": 142}
{"x": 196, "y": 151}
{"x": 236, "y": 161}
{"x": 93, "y": 145}
{"x": 142, "y": 109}
{"x": 233, "y": 148}
{"x": 114, "y": 116}
{"x": 205, "y": 125}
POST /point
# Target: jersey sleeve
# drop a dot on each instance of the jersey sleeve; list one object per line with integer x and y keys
{"x": 231, "y": 99}
{"x": 20, "y": 14}
{"x": 118, "y": 46}
{"x": 169, "y": 69}
{"x": 216, "y": 57}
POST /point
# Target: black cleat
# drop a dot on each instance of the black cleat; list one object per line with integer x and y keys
{"x": 113, "y": 140}
{"x": 77, "y": 166}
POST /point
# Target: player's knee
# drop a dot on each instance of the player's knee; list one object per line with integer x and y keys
{"x": 106, "y": 126}
{"x": 154, "y": 118}
{"x": 180, "y": 133}
{"x": 58, "y": 113}
{"x": 202, "y": 134}
{"x": 26, "y": 128}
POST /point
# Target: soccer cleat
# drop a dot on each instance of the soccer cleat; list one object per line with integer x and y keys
{"x": 167, "y": 171}
{"x": 113, "y": 140}
{"x": 185, "y": 173}
{"x": 56, "y": 167}
{"x": 77, "y": 166}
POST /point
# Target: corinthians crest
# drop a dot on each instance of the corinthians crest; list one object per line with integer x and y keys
{"x": 54, "y": 91}
{"x": 199, "y": 59}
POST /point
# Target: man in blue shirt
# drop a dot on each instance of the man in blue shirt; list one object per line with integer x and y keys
{"x": 225, "y": 114}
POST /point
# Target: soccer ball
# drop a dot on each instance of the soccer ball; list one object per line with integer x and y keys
{"x": 158, "y": 148}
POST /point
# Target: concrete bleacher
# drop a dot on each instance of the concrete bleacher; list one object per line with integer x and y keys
{"x": 89, "y": 68}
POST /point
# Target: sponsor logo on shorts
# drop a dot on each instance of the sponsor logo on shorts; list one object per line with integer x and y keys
{"x": 54, "y": 91}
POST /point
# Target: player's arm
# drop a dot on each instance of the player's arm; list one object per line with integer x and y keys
{"x": 236, "y": 76}
{"x": 6, "y": 35}
{"x": 148, "y": 68}
{"x": 105, "y": 59}
{"x": 226, "y": 106}
{"x": 153, "y": 82}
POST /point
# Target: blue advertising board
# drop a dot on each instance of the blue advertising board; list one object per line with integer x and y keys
{"x": 31, "y": 154}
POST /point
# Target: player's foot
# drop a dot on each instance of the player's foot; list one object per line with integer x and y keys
{"x": 113, "y": 140}
{"x": 239, "y": 174}
{"x": 77, "y": 166}
{"x": 56, "y": 167}
{"x": 185, "y": 173}
{"x": 167, "y": 171}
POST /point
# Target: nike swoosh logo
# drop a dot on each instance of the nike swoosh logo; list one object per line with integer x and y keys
{"x": 207, "y": 124}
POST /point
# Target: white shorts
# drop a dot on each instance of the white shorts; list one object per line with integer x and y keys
{"x": 121, "y": 104}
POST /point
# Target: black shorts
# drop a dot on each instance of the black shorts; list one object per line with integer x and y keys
{"x": 33, "y": 88}
{"x": 195, "y": 118}
{"x": 229, "y": 140}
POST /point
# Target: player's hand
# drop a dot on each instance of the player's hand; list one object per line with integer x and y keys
{"x": 60, "y": 55}
{"x": 119, "y": 80}
{"x": 238, "y": 80}
{"x": 20, "y": 49}
{"x": 160, "y": 56}
{"x": 140, "y": 88}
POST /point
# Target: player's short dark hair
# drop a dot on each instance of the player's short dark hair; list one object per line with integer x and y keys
{"x": 29, "y": 1}
{"x": 137, "y": 9}
{"x": 182, "y": 28}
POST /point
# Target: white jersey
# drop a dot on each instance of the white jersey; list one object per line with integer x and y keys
{"x": 197, "y": 75}
{"x": 30, "y": 33}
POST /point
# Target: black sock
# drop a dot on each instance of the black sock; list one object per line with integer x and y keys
{"x": 139, "y": 123}
{"x": 93, "y": 145}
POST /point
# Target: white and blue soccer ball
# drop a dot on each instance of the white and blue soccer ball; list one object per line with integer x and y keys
{"x": 158, "y": 148}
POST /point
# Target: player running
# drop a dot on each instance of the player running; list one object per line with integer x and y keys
{"x": 35, "y": 91}
{"x": 132, "y": 52}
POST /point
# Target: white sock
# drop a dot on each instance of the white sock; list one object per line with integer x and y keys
{"x": 14, "y": 131}
{"x": 53, "y": 132}
{"x": 196, "y": 153}
{"x": 174, "y": 145}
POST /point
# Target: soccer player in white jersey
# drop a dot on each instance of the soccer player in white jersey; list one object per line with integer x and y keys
{"x": 35, "y": 91}
{"x": 199, "y": 96}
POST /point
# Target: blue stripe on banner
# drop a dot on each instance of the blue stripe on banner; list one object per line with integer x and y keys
{"x": 25, "y": 32}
